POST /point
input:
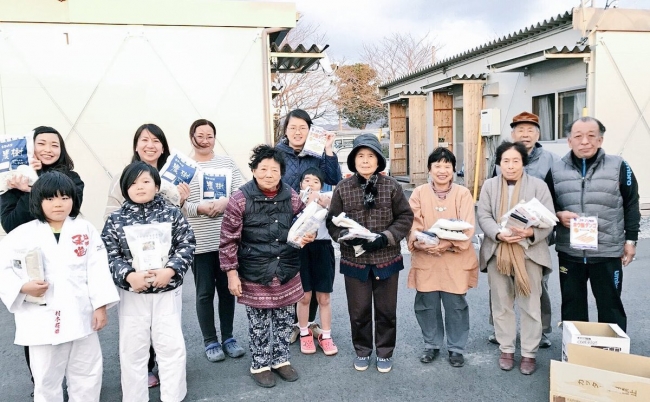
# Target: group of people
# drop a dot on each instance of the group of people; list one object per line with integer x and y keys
{"x": 236, "y": 247}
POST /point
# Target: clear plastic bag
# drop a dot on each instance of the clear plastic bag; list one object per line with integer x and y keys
{"x": 29, "y": 263}
{"x": 308, "y": 222}
{"x": 149, "y": 244}
{"x": 315, "y": 143}
{"x": 428, "y": 238}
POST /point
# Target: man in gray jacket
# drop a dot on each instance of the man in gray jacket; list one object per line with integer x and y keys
{"x": 591, "y": 183}
{"x": 525, "y": 129}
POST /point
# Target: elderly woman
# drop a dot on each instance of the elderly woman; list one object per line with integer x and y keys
{"x": 263, "y": 270}
{"x": 443, "y": 273}
{"x": 515, "y": 260}
{"x": 377, "y": 202}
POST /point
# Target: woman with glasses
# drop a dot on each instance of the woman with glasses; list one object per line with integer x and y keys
{"x": 296, "y": 127}
{"x": 206, "y": 216}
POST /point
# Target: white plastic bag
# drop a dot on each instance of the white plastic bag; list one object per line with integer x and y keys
{"x": 169, "y": 192}
{"x": 451, "y": 229}
{"x": 355, "y": 231}
{"x": 149, "y": 244}
{"x": 214, "y": 183}
{"x": 309, "y": 221}
{"x": 178, "y": 169}
{"x": 29, "y": 264}
{"x": 315, "y": 143}
{"x": 15, "y": 154}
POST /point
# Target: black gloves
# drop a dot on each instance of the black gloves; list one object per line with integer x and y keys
{"x": 377, "y": 244}
{"x": 351, "y": 242}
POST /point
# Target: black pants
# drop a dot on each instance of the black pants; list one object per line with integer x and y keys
{"x": 361, "y": 297}
{"x": 208, "y": 276}
{"x": 606, "y": 284}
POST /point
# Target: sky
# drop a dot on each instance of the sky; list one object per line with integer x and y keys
{"x": 456, "y": 25}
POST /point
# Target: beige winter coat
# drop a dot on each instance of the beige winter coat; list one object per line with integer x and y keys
{"x": 454, "y": 271}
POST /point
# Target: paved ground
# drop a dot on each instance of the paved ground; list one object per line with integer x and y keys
{"x": 333, "y": 378}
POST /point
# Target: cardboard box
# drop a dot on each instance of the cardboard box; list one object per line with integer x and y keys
{"x": 597, "y": 335}
{"x": 595, "y": 375}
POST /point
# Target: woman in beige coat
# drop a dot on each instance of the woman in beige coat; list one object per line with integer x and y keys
{"x": 516, "y": 261}
{"x": 442, "y": 274}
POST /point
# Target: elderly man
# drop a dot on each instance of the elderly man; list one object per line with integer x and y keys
{"x": 587, "y": 182}
{"x": 525, "y": 129}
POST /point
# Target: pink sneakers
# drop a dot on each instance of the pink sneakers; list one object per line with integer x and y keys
{"x": 328, "y": 346}
{"x": 307, "y": 345}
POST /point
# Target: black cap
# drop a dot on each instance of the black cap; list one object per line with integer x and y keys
{"x": 371, "y": 142}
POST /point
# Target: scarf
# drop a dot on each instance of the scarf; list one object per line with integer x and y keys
{"x": 369, "y": 190}
{"x": 442, "y": 194}
{"x": 510, "y": 256}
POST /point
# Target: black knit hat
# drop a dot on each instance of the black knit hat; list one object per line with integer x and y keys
{"x": 371, "y": 142}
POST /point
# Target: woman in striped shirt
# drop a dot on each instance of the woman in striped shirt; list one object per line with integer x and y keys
{"x": 209, "y": 193}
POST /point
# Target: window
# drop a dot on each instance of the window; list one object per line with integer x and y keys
{"x": 569, "y": 108}
{"x": 544, "y": 107}
{"x": 571, "y": 104}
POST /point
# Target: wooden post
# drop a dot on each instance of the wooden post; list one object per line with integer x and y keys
{"x": 443, "y": 120}
{"x": 417, "y": 140}
{"x": 472, "y": 103}
{"x": 397, "y": 121}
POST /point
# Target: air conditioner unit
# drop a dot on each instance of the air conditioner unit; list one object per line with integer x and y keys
{"x": 490, "y": 122}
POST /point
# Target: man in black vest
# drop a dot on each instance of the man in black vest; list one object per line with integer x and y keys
{"x": 589, "y": 183}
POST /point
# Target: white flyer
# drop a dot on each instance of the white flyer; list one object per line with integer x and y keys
{"x": 584, "y": 233}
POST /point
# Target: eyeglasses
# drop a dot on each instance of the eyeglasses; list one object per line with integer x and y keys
{"x": 302, "y": 129}
{"x": 200, "y": 138}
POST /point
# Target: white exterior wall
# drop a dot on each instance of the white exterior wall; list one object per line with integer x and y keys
{"x": 621, "y": 65}
{"x": 97, "y": 87}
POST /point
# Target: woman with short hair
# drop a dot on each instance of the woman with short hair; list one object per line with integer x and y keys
{"x": 442, "y": 274}
{"x": 263, "y": 269}
{"x": 514, "y": 271}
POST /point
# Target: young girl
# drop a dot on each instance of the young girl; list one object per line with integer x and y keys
{"x": 317, "y": 275}
{"x": 60, "y": 329}
{"x": 150, "y": 307}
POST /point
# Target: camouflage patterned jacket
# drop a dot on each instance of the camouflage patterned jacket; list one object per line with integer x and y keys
{"x": 120, "y": 258}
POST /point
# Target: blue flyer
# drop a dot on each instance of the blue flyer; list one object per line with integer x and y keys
{"x": 178, "y": 169}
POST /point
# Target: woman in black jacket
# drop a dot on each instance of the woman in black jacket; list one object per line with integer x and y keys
{"x": 49, "y": 154}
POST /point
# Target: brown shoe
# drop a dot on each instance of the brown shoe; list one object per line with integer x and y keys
{"x": 527, "y": 365}
{"x": 264, "y": 379}
{"x": 507, "y": 361}
{"x": 287, "y": 373}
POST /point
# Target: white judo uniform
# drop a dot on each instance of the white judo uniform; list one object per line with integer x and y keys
{"x": 59, "y": 334}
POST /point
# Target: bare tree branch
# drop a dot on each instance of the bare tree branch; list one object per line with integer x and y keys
{"x": 399, "y": 54}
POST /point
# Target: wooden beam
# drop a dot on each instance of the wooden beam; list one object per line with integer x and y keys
{"x": 472, "y": 104}
{"x": 417, "y": 140}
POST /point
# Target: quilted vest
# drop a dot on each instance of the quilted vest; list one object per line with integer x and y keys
{"x": 594, "y": 192}
{"x": 264, "y": 253}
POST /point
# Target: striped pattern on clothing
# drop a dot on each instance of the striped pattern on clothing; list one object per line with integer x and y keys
{"x": 208, "y": 230}
{"x": 274, "y": 295}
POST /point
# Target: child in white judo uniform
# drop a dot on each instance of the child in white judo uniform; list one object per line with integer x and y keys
{"x": 59, "y": 313}
{"x": 150, "y": 246}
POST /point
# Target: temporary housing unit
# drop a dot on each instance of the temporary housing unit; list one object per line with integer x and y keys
{"x": 585, "y": 62}
{"x": 96, "y": 70}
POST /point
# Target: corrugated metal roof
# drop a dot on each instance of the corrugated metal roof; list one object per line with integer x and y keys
{"x": 401, "y": 95}
{"x": 456, "y": 79}
{"x": 287, "y": 59}
{"x": 560, "y": 20}
{"x": 519, "y": 62}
